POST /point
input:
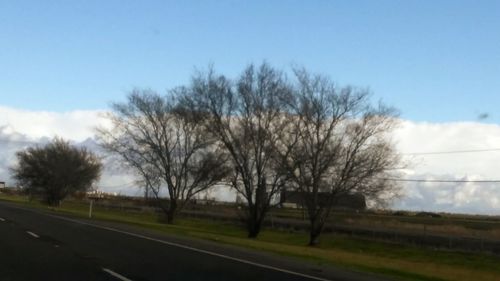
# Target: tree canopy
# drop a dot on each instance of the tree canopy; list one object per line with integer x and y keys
{"x": 261, "y": 133}
{"x": 56, "y": 170}
{"x": 166, "y": 146}
{"x": 305, "y": 134}
{"x": 338, "y": 144}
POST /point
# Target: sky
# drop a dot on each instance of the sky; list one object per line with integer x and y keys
{"x": 436, "y": 61}
{"x": 63, "y": 62}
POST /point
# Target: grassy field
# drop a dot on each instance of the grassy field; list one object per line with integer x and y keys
{"x": 486, "y": 227}
{"x": 399, "y": 261}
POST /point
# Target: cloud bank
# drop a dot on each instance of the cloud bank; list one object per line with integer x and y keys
{"x": 21, "y": 128}
{"x": 470, "y": 197}
{"x": 75, "y": 125}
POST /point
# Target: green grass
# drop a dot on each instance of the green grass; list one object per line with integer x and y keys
{"x": 400, "y": 261}
{"x": 458, "y": 225}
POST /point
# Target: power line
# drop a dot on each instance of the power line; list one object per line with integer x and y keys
{"x": 410, "y": 153}
{"x": 452, "y": 151}
{"x": 442, "y": 181}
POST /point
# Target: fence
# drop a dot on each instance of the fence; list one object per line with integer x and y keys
{"x": 419, "y": 238}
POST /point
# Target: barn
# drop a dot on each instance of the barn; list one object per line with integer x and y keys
{"x": 350, "y": 201}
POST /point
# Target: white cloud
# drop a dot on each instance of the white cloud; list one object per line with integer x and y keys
{"x": 75, "y": 125}
{"x": 428, "y": 137}
{"x": 19, "y": 128}
{"x": 414, "y": 137}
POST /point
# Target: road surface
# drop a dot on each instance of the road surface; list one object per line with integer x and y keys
{"x": 38, "y": 245}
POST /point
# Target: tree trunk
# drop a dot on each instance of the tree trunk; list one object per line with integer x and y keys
{"x": 172, "y": 209}
{"x": 253, "y": 228}
{"x": 254, "y": 223}
{"x": 53, "y": 201}
{"x": 315, "y": 231}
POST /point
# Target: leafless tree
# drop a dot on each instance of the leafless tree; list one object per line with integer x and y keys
{"x": 167, "y": 147}
{"x": 339, "y": 145}
{"x": 244, "y": 117}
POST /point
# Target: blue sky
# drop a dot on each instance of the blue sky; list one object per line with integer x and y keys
{"x": 437, "y": 61}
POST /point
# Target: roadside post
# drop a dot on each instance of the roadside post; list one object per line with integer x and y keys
{"x": 92, "y": 196}
{"x": 90, "y": 208}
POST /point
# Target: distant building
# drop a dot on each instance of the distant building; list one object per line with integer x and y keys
{"x": 2, "y": 184}
{"x": 294, "y": 199}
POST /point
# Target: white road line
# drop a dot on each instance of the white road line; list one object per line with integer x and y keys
{"x": 194, "y": 249}
{"x": 119, "y": 276}
{"x": 2, "y": 219}
{"x": 32, "y": 234}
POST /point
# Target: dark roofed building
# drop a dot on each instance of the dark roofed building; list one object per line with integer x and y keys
{"x": 354, "y": 201}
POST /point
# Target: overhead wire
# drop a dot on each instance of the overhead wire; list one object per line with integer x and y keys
{"x": 441, "y": 181}
{"x": 406, "y": 153}
{"x": 390, "y": 179}
{"x": 453, "y": 151}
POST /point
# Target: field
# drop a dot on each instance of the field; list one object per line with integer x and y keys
{"x": 444, "y": 231}
{"x": 402, "y": 261}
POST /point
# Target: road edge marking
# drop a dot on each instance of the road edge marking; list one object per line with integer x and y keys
{"x": 193, "y": 249}
{"x": 114, "y": 274}
{"x": 33, "y": 234}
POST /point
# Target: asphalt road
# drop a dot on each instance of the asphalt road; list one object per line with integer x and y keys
{"x": 38, "y": 245}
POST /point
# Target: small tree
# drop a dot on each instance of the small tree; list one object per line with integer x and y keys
{"x": 339, "y": 145}
{"x": 56, "y": 170}
{"x": 167, "y": 147}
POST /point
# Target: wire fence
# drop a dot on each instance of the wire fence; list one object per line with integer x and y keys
{"x": 422, "y": 234}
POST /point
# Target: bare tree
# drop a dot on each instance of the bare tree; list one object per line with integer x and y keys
{"x": 167, "y": 147}
{"x": 56, "y": 170}
{"x": 339, "y": 145}
{"x": 244, "y": 117}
